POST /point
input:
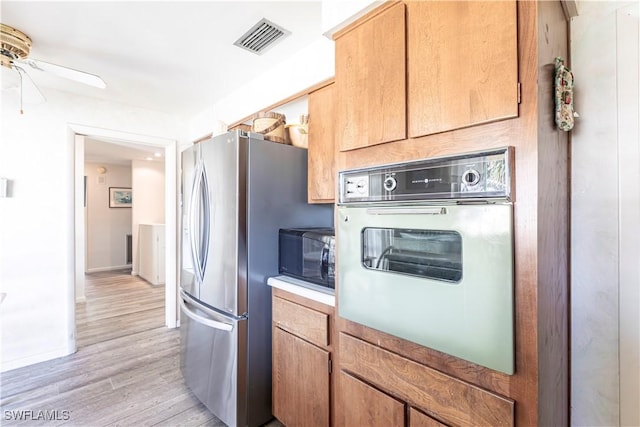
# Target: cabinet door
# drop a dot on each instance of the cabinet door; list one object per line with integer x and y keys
{"x": 300, "y": 381}
{"x": 370, "y": 81}
{"x": 322, "y": 134}
{"x": 364, "y": 405}
{"x": 418, "y": 419}
{"x": 462, "y": 64}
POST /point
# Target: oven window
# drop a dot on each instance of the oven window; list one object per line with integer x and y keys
{"x": 432, "y": 254}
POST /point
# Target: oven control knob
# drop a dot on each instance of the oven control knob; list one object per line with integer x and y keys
{"x": 471, "y": 177}
{"x": 390, "y": 183}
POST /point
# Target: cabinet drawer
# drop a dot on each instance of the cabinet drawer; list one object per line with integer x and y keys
{"x": 309, "y": 324}
{"x": 449, "y": 399}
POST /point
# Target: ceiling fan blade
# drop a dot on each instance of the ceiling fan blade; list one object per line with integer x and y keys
{"x": 30, "y": 92}
{"x": 67, "y": 73}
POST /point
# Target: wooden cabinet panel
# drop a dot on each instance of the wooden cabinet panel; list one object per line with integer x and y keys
{"x": 366, "y": 406}
{"x": 300, "y": 381}
{"x": 302, "y": 321}
{"x": 370, "y": 81}
{"x": 462, "y": 64}
{"x": 539, "y": 385}
{"x": 322, "y": 130}
{"x": 418, "y": 419}
{"x": 453, "y": 400}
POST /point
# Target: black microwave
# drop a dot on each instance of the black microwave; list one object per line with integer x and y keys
{"x": 308, "y": 254}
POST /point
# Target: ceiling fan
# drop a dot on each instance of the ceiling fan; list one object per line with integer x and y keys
{"x": 14, "y": 55}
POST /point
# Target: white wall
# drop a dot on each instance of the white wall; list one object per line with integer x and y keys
{"x": 37, "y": 222}
{"x": 148, "y": 198}
{"x": 107, "y": 228}
{"x": 305, "y": 68}
{"x": 337, "y": 14}
{"x": 605, "y": 216}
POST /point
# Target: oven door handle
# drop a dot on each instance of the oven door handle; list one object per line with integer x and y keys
{"x": 408, "y": 211}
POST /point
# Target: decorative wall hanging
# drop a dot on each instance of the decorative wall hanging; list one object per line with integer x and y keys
{"x": 564, "y": 96}
{"x": 120, "y": 197}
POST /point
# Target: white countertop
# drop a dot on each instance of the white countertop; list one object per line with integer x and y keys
{"x": 304, "y": 289}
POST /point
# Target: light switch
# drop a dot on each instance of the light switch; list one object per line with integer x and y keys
{"x": 4, "y": 187}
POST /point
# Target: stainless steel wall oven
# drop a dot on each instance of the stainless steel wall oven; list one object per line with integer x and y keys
{"x": 426, "y": 253}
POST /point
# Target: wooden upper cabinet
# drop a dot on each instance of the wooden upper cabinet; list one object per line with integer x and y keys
{"x": 322, "y": 135}
{"x": 370, "y": 80}
{"x": 462, "y": 64}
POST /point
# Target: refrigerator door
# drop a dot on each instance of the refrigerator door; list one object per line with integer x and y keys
{"x": 190, "y": 161}
{"x": 221, "y": 162}
{"x": 212, "y": 349}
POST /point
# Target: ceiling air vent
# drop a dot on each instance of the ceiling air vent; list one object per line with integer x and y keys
{"x": 261, "y": 36}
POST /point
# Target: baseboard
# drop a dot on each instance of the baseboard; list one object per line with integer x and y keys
{"x": 112, "y": 268}
{"x": 31, "y": 360}
{"x": 81, "y": 299}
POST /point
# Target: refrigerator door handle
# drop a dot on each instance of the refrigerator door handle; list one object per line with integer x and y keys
{"x": 192, "y": 221}
{"x": 195, "y": 231}
{"x": 186, "y": 300}
{"x": 206, "y": 224}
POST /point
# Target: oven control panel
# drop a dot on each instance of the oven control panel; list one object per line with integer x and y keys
{"x": 484, "y": 175}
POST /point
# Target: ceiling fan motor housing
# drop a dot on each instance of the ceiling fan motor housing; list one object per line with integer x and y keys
{"x": 14, "y": 44}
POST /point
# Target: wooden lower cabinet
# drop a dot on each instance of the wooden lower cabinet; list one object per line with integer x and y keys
{"x": 421, "y": 389}
{"x": 418, "y": 419}
{"x": 300, "y": 381}
{"x": 301, "y": 368}
{"x": 367, "y": 406}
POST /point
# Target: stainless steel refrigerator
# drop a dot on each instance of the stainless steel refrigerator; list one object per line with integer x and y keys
{"x": 237, "y": 191}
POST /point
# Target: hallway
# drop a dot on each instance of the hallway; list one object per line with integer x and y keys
{"x": 117, "y": 304}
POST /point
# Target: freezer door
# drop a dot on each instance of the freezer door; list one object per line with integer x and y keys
{"x": 226, "y": 219}
{"x": 213, "y": 360}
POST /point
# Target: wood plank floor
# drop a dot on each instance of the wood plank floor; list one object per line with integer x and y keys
{"x": 117, "y": 304}
{"x": 126, "y": 371}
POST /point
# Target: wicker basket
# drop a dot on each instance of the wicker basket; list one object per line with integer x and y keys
{"x": 271, "y": 125}
{"x": 243, "y": 127}
{"x": 298, "y": 135}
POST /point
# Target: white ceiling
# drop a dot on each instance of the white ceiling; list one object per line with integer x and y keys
{"x": 119, "y": 152}
{"x": 172, "y": 56}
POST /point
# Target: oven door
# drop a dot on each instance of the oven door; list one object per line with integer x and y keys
{"x": 440, "y": 276}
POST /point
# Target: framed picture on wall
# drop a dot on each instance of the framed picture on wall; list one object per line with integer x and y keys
{"x": 120, "y": 197}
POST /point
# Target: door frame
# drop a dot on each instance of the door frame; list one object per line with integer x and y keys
{"x": 628, "y": 108}
{"x": 77, "y": 132}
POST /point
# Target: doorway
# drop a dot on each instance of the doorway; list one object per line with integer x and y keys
{"x": 168, "y": 147}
